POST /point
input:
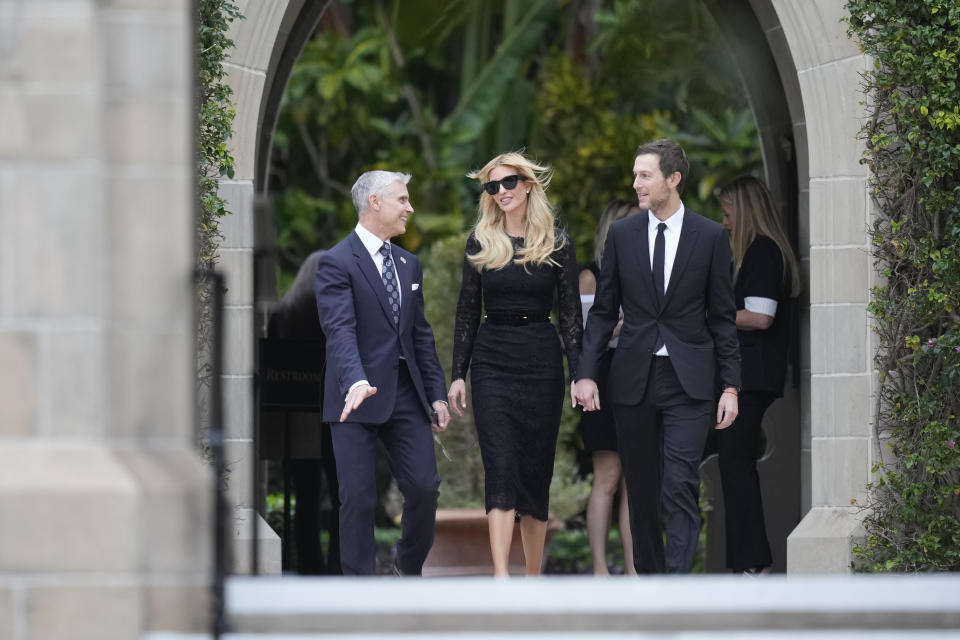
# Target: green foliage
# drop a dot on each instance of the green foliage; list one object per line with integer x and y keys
{"x": 436, "y": 92}
{"x": 480, "y": 103}
{"x": 591, "y": 120}
{"x": 913, "y": 150}
{"x": 215, "y": 121}
{"x": 215, "y": 116}
{"x": 458, "y": 454}
{"x": 590, "y": 145}
{"x": 569, "y": 490}
{"x": 569, "y": 552}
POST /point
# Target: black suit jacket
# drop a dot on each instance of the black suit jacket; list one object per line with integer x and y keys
{"x": 363, "y": 343}
{"x": 697, "y": 321}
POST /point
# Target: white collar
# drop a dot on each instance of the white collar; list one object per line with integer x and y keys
{"x": 370, "y": 242}
{"x": 674, "y": 223}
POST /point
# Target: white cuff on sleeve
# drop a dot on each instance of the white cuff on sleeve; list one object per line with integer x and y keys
{"x": 354, "y": 386}
{"x": 756, "y": 304}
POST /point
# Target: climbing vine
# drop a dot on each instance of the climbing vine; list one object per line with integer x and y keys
{"x": 215, "y": 114}
{"x": 912, "y": 138}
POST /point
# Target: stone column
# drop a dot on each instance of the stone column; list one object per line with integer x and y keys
{"x": 838, "y": 345}
{"x": 254, "y": 39}
{"x": 105, "y": 531}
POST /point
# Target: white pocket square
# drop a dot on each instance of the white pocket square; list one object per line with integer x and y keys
{"x": 416, "y": 285}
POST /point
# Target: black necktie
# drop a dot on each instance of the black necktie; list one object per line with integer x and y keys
{"x": 658, "y": 252}
{"x": 390, "y": 282}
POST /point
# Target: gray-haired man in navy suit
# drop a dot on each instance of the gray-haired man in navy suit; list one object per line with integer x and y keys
{"x": 383, "y": 378}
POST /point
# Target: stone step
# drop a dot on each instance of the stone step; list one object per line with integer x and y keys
{"x": 622, "y": 635}
{"x": 571, "y": 608}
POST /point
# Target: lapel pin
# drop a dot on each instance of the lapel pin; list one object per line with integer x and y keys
{"x": 403, "y": 260}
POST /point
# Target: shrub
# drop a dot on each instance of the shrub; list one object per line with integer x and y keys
{"x": 913, "y": 151}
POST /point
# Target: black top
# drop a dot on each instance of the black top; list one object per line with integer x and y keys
{"x": 764, "y": 353}
{"x": 519, "y": 288}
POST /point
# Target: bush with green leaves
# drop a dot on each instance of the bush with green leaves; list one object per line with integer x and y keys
{"x": 912, "y": 138}
{"x": 437, "y": 92}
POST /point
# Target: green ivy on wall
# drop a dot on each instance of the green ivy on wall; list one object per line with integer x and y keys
{"x": 215, "y": 114}
{"x": 912, "y": 140}
{"x": 215, "y": 121}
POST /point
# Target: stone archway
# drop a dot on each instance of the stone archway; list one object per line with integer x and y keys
{"x": 267, "y": 43}
{"x": 765, "y": 82}
{"x": 820, "y": 179}
{"x": 837, "y": 344}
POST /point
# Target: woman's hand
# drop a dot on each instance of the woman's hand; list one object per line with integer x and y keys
{"x": 458, "y": 391}
{"x": 616, "y": 329}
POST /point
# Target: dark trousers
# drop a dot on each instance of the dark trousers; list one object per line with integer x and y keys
{"x": 738, "y": 447}
{"x": 661, "y": 441}
{"x": 408, "y": 441}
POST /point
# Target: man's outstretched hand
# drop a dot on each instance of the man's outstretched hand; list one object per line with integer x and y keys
{"x": 355, "y": 398}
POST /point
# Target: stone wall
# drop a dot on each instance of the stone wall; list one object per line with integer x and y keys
{"x": 105, "y": 502}
{"x": 255, "y": 38}
{"x": 838, "y": 345}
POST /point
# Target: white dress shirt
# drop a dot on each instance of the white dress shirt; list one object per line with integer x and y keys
{"x": 372, "y": 244}
{"x": 671, "y": 238}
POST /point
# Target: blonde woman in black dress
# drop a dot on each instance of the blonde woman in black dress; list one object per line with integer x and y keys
{"x": 516, "y": 263}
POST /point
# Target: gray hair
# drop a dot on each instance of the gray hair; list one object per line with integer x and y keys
{"x": 374, "y": 183}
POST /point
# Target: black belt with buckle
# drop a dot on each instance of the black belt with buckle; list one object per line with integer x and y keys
{"x": 516, "y": 318}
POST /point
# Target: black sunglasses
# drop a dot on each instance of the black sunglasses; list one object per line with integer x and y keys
{"x": 509, "y": 183}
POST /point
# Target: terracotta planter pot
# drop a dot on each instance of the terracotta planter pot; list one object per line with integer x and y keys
{"x": 461, "y": 545}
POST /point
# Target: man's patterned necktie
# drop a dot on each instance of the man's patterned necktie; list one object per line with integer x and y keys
{"x": 390, "y": 282}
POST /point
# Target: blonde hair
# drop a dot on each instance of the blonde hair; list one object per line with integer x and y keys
{"x": 496, "y": 250}
{"x": 615, "y": 210}
{"x": 754, "y": 214}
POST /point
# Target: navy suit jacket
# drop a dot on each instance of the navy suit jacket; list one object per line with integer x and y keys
{"x": 697, "y": 320}
{"x": 363, "y": 342}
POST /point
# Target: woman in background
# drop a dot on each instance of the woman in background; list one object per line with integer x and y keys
{"x": 766, "y": 280}
{"x": 515, "y": 265}
{"x": 597, "y": 427}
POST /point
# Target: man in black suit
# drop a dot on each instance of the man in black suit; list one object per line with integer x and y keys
{"x": 382, "y": 376}
{"x": 670, "y": 272}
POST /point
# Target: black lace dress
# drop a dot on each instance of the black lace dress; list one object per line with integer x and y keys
{"x": 516, "y": 370}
